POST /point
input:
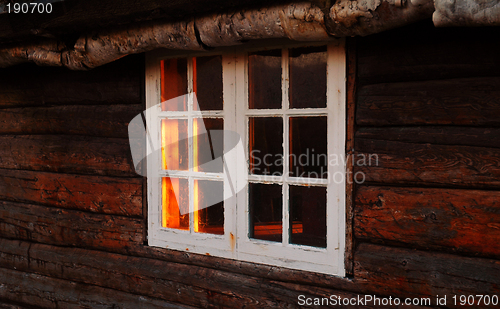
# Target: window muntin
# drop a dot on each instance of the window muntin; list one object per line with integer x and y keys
{"x": 186, "y": 173}
{"x": 282, "y": 145}
{"x": 309, "y": 240}
{"x": 190, "y": 143}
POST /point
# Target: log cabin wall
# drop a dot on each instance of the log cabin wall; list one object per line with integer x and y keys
{"x": 427, "y": 218}
{"x": 425, "y": 222}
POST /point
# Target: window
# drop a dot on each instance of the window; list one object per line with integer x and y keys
{"x": 250, "y": 166}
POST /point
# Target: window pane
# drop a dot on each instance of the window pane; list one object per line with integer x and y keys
{"x": 208, "y": 82}
{"x": 208, "y": 144}
{"x": 209, "y": 207}
{"x": 266, "y": 209}
{"x": 308, "y": 147}
{"x": 308, "y": 216}
{"x": 308, "y": 77}
{"x": 175, "y": 203}
{"x": 174, "y": 144}
{"x": 264, "y": 77}
{"x": 266, "y": 145}
{"x": 173, "y": 84}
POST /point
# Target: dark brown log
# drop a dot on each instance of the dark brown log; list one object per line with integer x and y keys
{"x": 69, "y": 227}
{"x": 351, "y": 105}
{"x": 116, "y": 83}
{"x": 37, "y": 291}
{"x": 423, "y": 52}
{"x": 391, "y": 162}
{"x": 189, "y": 284}
{"x": 10, "y": 306}
{"x": 440, "y": 135}
{"x": 110, "y": 195}
{"x": 443, "y": 219}
{"x": 246, "y": 268}
{"x": 67, "y": 154}
{"x": 100, "y": 120}
{"x": 411, "y": 273}
{"x": 467, "y": 101}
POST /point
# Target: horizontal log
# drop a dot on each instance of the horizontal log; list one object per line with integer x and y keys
{"x": 181, "y": 283}
{"x": 10, "y": 306}
{"x": 439, "y": 135}
{"x": 117, "y": 83}
{"x": 88, "y": 15}
{"x": 36, "y": 291}
{"x": 423, "y": 52}
{"x": 427, "y": 165}
{"x": 93, "y": 120}
{"x": 443, "y": 219}
{"x": 101, "y": 194}
{"x": 69, "y": 227}
{"x": 411, "y": 273}
{"x": 67, "y": 154}
{"x": 466, "y": 102}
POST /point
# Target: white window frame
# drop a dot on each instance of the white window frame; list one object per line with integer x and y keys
{"x": 235, "y": 243}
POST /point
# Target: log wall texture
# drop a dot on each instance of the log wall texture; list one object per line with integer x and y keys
{"x": 425, "y": 222}
{"x": 428, "y": 108}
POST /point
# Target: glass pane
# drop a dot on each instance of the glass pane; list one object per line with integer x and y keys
{"x": 266, "y": 145}
{"x": 175, "y": 203}
{"x": 209, "y": 207}
{"x": 208, "y": 82}
{"x": 208, "y": 141}
{"x": 308, "y": 77}
{"x": 308, "y": 147}
{"x": 308, "y": 216}
{"x": 173, "y": 84}
{"x": 266, "y": 211}
{"x": 264, "y": 77}
{"x": 174, "y": 144}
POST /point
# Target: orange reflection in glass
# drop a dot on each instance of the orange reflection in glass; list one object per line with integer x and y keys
{"x": 195, "y": 168}
{"x": 174, "y": 144}
{"x": 175, "y": 205}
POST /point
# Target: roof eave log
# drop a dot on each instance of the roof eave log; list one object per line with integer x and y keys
{"x": 302, "y": 21}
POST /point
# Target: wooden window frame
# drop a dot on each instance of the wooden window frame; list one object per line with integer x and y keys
{"x": 235, "y": 243}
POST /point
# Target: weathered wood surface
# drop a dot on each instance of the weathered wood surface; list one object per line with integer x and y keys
{"x": 77, "y": 16}
{"x": 423, "y": 52}
{"x": 412, "y": 273}
{"x": 38, "y": 291}
{"x": 67, "y": 154}
{"x": 69, "y": 227}
{"x": 427, "y": 165}
{"x": 10, "y": 306}
{"x": 193, "y": 285}
{"x": 439, "y": 135}
{"x": 102, "y": 194}
{"x": 351, "y": 116}
{"x": 467, "y": 101}
{"x": 94, "y": 120}
{"x": 116, "y": 83}
{"x": 443, "y": 219}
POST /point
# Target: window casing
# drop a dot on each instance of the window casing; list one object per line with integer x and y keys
{"x": 246, "y": 236}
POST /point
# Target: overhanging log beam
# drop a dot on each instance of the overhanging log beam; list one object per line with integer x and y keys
{"x": 469, "y": 13}
{"x": 302, "y": 21}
